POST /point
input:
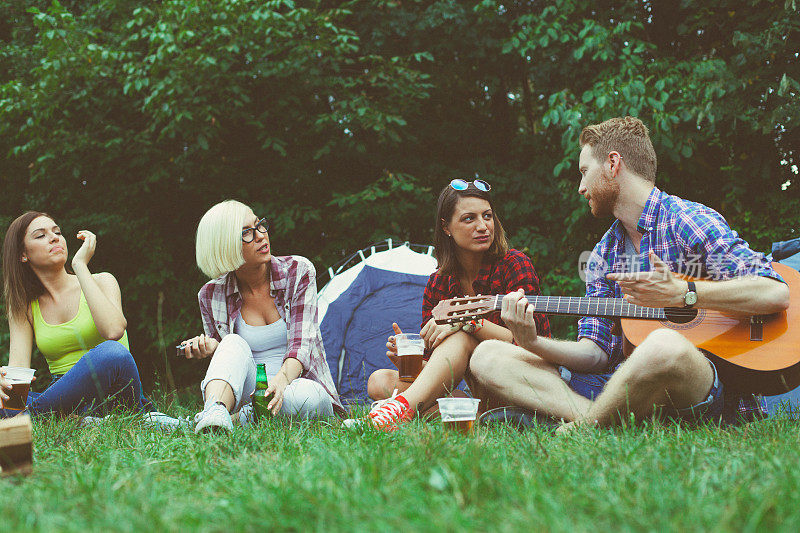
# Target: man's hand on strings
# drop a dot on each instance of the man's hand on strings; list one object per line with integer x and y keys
{"x": 658, "y": 287}
{"x": 517, "y": 313}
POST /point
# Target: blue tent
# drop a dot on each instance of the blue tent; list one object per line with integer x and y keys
{"x": 358, "y": 305}
{"x": 788, "y": 253}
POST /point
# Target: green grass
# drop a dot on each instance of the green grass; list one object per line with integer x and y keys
{"x": 284, "y": 475}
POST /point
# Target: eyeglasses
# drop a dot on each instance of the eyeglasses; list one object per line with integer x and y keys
{"x": 462, "y": 185}
{"x": 250, "y": 233}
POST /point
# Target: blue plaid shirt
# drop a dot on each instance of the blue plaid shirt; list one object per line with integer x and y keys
{"x": 693, "y": 239}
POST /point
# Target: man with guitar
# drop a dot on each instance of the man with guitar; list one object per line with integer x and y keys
{"x": 590, "y": 381}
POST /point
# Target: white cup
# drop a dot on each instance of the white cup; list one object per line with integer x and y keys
{"x": 20, "y": 379}
{"x": 409, "y": 344}
{"x": 459, "y": 413}
{"x": 18, "y": 374}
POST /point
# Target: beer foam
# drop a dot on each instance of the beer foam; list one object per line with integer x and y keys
{"x": 410, "y": 349}
{"x": 457, "y": 417}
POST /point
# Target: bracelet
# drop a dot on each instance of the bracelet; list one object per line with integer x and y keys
{"x": 472, "y": 326}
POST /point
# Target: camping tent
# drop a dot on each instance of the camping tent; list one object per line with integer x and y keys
{"x": 374, "y": 287}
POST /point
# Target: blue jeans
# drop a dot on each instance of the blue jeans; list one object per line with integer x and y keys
{"x": 711, "y": 408}
{"x": 104, "y": 379}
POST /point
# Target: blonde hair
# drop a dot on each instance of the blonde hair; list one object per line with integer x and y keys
{"x": 218, "y": 246}
{"x": 629, "y": 137}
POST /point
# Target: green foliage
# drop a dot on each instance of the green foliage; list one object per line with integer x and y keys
{"x": 132, "y": 120}
{"x": 387, "y": 208}
{"x": 341, "y": 121}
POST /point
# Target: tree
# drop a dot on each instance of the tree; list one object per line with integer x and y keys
{"x": 341, "y": 121}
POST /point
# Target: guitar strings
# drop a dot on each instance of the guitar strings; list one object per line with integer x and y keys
{"x": 631, "y": 308}
{"x": 493, "y": 303}
{"x": 721, "y": 321}
{"x": 713, "y": 319}
{"x": 705, "y": 321}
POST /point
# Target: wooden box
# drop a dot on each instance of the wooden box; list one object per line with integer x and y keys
{"x": 16, "y": 451}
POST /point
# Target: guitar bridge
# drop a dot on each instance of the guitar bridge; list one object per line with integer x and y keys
{"x": 756, "y": 328}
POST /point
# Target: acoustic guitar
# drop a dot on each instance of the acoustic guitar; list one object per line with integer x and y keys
{"x": 753, "y": 354}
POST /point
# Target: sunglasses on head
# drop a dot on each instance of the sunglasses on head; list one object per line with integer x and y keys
{"x": 462, "y": 185}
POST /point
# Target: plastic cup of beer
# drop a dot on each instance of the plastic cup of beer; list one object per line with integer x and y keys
{"x": 410, "y": 349}
{"x": 20, "y": 379}
{"x": 459, "y": 414}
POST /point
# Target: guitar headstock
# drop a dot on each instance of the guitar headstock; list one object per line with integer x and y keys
{"x": 463, "y": 309}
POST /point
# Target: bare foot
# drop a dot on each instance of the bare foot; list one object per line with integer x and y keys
{"x": 576, "y": 425}
{"x": 568, "y": 427}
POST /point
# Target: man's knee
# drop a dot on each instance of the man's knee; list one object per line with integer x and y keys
{"x": 382, "y": 383}
{"x": 487, "y": 358}
{"x": 664, "y": 354}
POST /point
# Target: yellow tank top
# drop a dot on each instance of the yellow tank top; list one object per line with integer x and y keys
{"x": 64, "y": 344}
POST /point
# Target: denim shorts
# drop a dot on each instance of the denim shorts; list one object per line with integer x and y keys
{"x": 591, "y": 385}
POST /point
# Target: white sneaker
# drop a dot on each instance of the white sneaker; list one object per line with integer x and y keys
{"x": 351, "y": 423}
{"x": 159, "y": 420}
{"x": 214, "y": 417}
{"x": 88, "y": 421}
{"x": 153, "y": 418}
{"x": 246, "y": 415}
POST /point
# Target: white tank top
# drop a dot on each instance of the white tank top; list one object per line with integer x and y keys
{"x": 268, "y": 343}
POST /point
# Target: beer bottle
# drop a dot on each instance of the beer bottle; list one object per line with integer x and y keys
{"x": 261, "y": 376}
{"x": 260, "y": 399}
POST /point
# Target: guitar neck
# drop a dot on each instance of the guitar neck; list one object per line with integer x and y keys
{"x": 585, "y": 306}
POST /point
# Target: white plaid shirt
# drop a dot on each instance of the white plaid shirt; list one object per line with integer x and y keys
{"x": 293, "y": 286}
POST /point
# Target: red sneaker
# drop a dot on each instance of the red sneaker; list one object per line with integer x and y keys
{"x": 389, "y": 414}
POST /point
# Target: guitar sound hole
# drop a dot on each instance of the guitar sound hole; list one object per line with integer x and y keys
{"x": 679, "y": 315}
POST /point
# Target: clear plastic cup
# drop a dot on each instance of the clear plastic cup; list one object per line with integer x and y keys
{"x": 20, "y": 379}
{"x": 410, "y": 349}
{"x": 459, "y": 414}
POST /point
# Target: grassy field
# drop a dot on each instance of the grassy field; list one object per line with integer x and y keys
{"x": 299, "y": 476}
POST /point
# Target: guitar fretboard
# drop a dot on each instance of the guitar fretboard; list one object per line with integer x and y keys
{"x": 583, "y": 306}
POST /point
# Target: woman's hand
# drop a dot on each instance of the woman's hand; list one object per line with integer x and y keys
{"x": 433, "y": 334}
{"x": 278, "y": 386}
{"x": 86, "y": 251}
{"x": 5, "y": 385}
{"x": 199, "y": 347}
{"x": 391, "y": 344}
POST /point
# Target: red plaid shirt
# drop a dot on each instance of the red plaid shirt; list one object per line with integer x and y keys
{"x": 293, "y": 286}
{"x": 512, "y": 272}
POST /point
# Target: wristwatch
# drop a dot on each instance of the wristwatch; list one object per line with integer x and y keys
{"x": 690, "y": 298}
